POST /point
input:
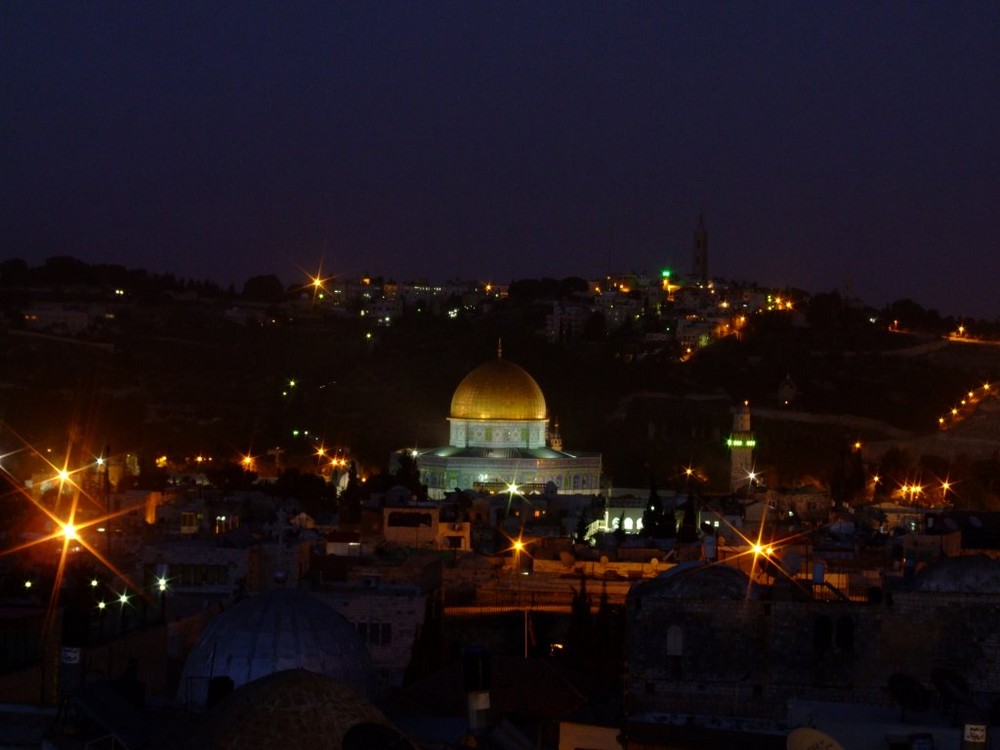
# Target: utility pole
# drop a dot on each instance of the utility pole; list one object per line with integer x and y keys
{"x": 106, "y": 490}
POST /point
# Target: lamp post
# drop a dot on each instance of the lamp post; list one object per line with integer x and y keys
{"x": 122, "y": 603}
{"x": 161, "y": 587}
{"x": 518, "y": 548}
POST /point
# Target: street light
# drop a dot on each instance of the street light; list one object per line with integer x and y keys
{"x": 123, "y": 598}
{"x": 161, "y": 586}
{"x": 518, "y": 547}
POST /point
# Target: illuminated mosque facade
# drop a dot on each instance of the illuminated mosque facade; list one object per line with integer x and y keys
{"x": 500, "y": 438}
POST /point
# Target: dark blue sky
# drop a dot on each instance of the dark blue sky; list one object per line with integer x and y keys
{"x": 829, "y": 143}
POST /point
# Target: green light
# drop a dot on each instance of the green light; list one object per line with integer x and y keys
{"x": 665, "y": 273}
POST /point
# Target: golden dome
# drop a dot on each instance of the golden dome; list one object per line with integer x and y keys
{"x": 498, "y": 390}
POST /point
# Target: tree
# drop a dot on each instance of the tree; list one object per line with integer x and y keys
{"x": 582, "y": 522}
{"x": 620, "y": 528}
{"x": 14, "y": 272}
{"x": 580, "y": 633}
{"x": 894, "y": 469}
{"x": 407, "y": 474}
{"x": 824, "y": 310}
{"x": 349, "y": 501}
{"x": 847, "y": 478}
{"x": 688, "y": 532}
{"x": 263, "y": 288}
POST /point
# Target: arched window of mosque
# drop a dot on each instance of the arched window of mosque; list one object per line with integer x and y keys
{"x": 845, "y": 633}
{"x": 628, "y": 524}
{"x": 822, "y": 634}
{"x": 616, "y": 523}
{"x": 675, "y": 640}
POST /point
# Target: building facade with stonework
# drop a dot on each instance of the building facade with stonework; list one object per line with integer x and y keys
{"x": 706, "y": 641}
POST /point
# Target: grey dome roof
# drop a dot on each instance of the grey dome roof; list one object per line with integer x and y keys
{"x": 967, "y": 574}
{"x": 272, "y": 632}
{"x": 697, "y": 580}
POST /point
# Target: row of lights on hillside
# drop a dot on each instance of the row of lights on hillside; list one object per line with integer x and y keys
{"x": 914, "y": 491}
{"x": 972, "y": 398}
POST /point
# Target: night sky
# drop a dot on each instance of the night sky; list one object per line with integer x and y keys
{"x": 831, "y": 145}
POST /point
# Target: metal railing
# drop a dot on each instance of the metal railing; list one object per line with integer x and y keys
{"x": 506, "y": 600}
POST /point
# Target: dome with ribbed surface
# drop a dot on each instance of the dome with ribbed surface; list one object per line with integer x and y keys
{"x": 272, "y": 632}
{"x": 498, "y": 390}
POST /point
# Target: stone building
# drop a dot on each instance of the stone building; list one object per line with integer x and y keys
{"x": 707, "y": 641}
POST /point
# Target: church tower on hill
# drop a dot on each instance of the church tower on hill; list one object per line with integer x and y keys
{"x": 699, "y": 268}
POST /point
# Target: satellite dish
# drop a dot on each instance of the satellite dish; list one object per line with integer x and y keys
{"x": 807, "y": 738}
{"x": 975, "y": 522}
{"x": 909, "y": 693}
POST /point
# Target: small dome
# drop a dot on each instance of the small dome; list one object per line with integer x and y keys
{"x": 272, "y": 632}
{"x": 498, "y": 390}
{"x": 297, "y": 709}
{"x": 697, "y": 580}
{"x": 967, "y": 574}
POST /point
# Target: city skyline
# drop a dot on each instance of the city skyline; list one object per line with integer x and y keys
{"x": 829, "y": 147}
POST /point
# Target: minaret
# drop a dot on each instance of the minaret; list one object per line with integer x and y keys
{"x": 741, "y": 444}
{"x": 700, "y": 266}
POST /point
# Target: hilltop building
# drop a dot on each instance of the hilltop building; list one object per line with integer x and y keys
{"x": 499, "y": 437}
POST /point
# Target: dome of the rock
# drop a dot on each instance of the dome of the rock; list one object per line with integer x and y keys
{"x": 498, "y": 390}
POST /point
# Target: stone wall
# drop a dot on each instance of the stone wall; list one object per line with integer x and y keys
{"x": 749, "y": 658}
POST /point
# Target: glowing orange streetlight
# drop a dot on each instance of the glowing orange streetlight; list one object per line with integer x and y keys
{"x": 945, "y": 489}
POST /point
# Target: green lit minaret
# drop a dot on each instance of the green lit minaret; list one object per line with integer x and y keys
{"x": 741, "y": 444}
